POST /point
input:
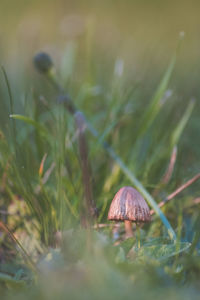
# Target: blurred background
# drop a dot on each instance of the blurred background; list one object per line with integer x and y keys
{"x": 142, "y": 34}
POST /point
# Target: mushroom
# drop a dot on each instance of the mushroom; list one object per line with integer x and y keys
{"x": 129, "y": 206}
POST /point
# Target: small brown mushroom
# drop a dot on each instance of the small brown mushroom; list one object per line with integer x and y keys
{"x": 129, "y": 206}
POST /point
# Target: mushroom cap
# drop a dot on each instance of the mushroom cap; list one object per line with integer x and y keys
{"x": 128, "y": 204}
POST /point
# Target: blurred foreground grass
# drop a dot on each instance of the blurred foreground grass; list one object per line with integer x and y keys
{"x": 140, "y": 98}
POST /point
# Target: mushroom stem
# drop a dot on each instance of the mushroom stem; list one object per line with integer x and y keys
{"x": 128, "y": 228}
{"x": 138, "y": 235}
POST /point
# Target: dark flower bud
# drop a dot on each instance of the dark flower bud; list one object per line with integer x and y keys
{"x": 43, "y": 62}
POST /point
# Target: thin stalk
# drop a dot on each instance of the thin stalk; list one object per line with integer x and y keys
{"x": 51, "y": 76}
{"x": 138, "y": 235}
{"x": 59, "y": 166}
{"x": 128, "y": 228}
{"x": 88, "y": 210}
{"x": 11, "y": 107}
{"x": 168, "y": 174}
{"x": 177, "y": 191}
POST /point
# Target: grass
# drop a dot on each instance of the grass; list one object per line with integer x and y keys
{"x": 128, "y": 142}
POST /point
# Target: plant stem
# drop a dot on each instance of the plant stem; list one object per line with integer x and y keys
{"x": 11, "y": 108}
{"x": 138, "y": 235}
{"x": 88, "y": 210}
{"x": 177, "y": 191}
{"x": 128, "y": 228}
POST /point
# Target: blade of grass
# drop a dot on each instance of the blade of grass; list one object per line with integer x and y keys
{"x": 177, "y": 191}
{"x": 155, "y": 105}
{"x": 102, "y": 137}
{"x": 168, "y": 173}
{"x": 175, "y": 137}
{"x": 182, "y": 123}
{"x": 11, "y": 105}
{"x": 30, "y": 122}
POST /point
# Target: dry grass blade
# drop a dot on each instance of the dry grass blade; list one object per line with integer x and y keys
{"x": 41, "y": 168}
{"x": 170, "y": 169}
{"x": 168, "y": 173}
{"x": 45, "y": 177}
{"x": 177, "y": 191}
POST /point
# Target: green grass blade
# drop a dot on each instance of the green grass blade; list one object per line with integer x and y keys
{"x": 11, "y": 105}
{"x": 182, "y": 123}
{"x": 30, "y": 122}
{"x": 155, "y": 105}
{"x": 102, "y": 137}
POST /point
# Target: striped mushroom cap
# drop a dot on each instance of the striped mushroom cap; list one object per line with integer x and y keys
{"x": 128, "y": 204}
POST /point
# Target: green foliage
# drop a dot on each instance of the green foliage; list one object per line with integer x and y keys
{"x": 30, "y": 121}
{"x": 155, "y": 105}
{"x": 105, "y": 270}
{"x": 162, "y": 252}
